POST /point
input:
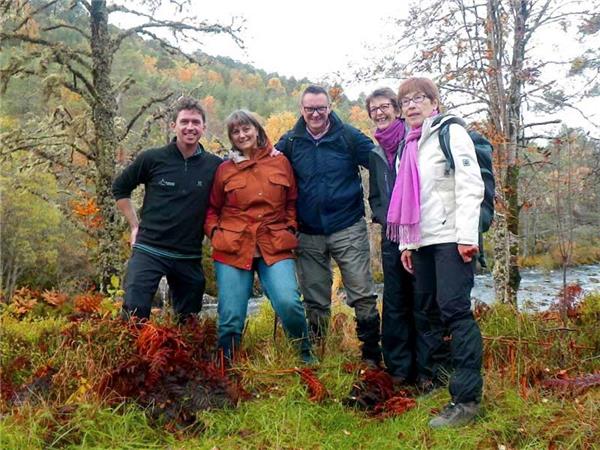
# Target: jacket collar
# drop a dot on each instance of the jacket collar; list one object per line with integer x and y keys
{"x": 243, "y": 161}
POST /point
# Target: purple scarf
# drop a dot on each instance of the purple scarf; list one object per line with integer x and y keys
{"x": 389, "y": 139}
{"x": 404, "y": 213}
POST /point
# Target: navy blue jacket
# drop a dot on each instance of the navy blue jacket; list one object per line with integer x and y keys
{"x": 330, "y": 195}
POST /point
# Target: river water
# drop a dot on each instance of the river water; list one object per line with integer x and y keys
{"x": 538, "y": 290}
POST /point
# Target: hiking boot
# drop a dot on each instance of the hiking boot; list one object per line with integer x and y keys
{"x": 399, "y": 380}
{"x": 456, "y": 415}
{"x": 371, "y": 363}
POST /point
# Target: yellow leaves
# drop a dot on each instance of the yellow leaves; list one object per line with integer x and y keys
{"x": 214, "y": 77}
{"x": 278, "y": 124}
{"x": 69, "y": 96}
{"x": 150, "y": 64}
{"x": 358, "y": 114}
{"x": 274, "y": 84}
{"x": 253, "y": 81}
{"x": 215, "y": 146}
{"x": 79, "y": 395}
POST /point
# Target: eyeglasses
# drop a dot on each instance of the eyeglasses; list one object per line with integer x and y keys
{"x": 318, "y": 109}
{"x": 384, "y": 107}
{"x": 419, "y": 98}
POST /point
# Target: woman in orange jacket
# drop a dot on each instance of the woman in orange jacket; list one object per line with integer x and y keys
{"x": 251, "y": 221}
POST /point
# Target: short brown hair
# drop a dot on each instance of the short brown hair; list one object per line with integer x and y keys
{"x": 315, "y": 90}
{"x": 187, "y": 103}
{"x": 419, "y": 84}
{"x": 244, "y": 117}
{"x": 385, "y": 92}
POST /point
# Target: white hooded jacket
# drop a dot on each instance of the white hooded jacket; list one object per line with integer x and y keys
{"x": 450, "y": 203}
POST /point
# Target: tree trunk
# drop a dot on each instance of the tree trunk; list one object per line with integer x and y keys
{"x": 105, "y": 145}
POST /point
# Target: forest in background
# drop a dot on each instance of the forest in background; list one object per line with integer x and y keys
{"x": 59, "y": 227}
{"x": 80, "y": 98}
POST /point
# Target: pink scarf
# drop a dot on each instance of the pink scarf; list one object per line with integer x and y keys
{"x": 389, "y": 139}
{"x": 404, "y": 213}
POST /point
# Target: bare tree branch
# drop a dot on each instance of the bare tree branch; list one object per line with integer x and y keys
{"x": 141, "y": 111}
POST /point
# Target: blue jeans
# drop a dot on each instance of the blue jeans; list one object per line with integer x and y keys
{"x": 279, "y": 284}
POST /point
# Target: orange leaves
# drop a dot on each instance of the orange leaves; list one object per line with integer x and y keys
{"x": 316, "y": 389}
{"x": 54, "y": 298}
{"x": 88, "y": 303}
{"x": 209, "y": 103}
{"x": 185, "y": 74}
{"x": 87, "y": 211}
{"x": 335, "y": 93}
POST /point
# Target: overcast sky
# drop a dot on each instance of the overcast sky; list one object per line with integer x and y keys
{"x": 307, "y": 38}
{"x": 319, "y": 38}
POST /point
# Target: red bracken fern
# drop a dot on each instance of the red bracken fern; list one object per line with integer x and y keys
{"x": 316, "y": 389}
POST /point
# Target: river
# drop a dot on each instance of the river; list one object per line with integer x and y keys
{"x": 538, "y": 290}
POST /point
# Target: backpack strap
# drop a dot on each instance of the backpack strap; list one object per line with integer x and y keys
{"x": 444, "y": 137}
{"x": 347, "y": 137}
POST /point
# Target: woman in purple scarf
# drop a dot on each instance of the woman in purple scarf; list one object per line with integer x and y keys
{"x": 409, "y": 355}
{"x": 434, "y": 216}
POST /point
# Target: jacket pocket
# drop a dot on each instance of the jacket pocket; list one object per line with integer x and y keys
{"x": 235, "y": 191}
{"x": 228, "y": 237}
{"x": 278, "y": 186}
{"x": 444, "y": 188}
{"x": 282, "y": 238}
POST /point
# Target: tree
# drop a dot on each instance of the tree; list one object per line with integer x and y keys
{"x": 70, "y": 45}
{"x": 484, "y": 56}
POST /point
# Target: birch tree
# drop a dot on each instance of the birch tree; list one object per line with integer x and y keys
{"x": 486, "y": 57}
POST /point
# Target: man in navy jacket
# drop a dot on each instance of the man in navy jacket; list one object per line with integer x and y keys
{"x": 168, "y": 240}
{"x": 326, "y": 154}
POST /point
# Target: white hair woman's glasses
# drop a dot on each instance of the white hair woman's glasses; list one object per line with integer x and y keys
{"x": 419, "y": 98}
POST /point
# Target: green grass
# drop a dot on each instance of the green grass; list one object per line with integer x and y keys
{"x": 280, "y": 416}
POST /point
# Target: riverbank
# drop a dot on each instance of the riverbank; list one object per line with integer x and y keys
{"x": 63, "y": 361}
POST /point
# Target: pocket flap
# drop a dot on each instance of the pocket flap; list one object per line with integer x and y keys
{"x": 277, "y": 226}
{"x": 235, "y": 183}
{"x": 279, "y": 179}
{"x": 233, "y": 225}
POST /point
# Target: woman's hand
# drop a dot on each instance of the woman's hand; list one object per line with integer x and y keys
{"x": 407, "y": 262}
{"x": 467, "y": 252}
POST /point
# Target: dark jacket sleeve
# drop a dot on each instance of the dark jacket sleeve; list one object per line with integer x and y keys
{"x": 282, "y": 144}
{"x": 131, "y": 177}
{"x": 374, "y": 192}
{"x": 362, "y": 146}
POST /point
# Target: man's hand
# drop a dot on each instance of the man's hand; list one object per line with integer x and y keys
{"x": 407, "y": 262}
{"x": 467, "y": 252}
{"x": 133, "y": 236}
{"x": 274, "y": 152}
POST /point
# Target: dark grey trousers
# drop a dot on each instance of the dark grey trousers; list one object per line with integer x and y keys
{"x": 350, "y": 250}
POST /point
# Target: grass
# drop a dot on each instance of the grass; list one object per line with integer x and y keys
{"x": 519, "y": 414}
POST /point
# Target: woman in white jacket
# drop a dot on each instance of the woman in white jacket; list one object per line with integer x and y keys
{"x": 435, "y": 219}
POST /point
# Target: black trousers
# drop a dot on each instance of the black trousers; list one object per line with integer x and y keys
{"x": 144, "y": 271}
{"x": 443, "y": 283}
{"x": 407, "y": 348}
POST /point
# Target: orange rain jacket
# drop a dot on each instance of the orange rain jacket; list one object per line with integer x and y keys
{"x": 252, "y": 207}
